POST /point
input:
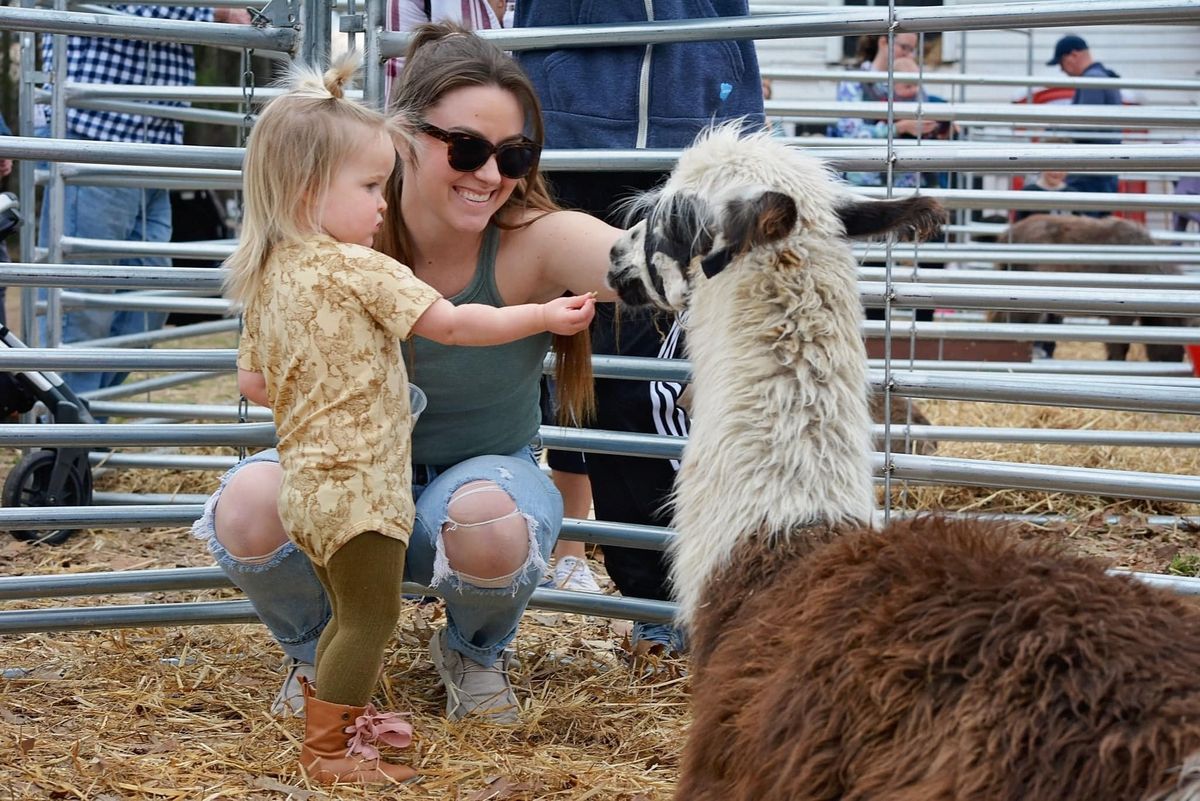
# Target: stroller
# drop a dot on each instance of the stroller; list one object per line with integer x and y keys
{"x": 47, "y": 476}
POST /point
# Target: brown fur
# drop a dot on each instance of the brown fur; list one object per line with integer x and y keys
{"x": 938, "y": 661}
{"x": 1069, "y": 229}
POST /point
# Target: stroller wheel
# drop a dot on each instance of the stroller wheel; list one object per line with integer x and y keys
{"x": 28, "y": 484}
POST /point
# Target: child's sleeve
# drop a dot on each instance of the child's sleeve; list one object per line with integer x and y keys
{"x": 389, "y": 292}
{"x": 247, "y": 355}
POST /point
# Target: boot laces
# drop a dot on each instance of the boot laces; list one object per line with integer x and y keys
{"x": 373, "y": 727}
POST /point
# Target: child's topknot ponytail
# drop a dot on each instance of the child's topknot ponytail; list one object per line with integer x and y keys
{"x": 305, "y": 80}
{"x": 340, "y": 75}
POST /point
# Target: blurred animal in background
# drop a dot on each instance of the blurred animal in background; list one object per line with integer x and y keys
{"x": 1071, "y": 229}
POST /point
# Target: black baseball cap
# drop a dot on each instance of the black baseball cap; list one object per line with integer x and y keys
{"x": 1067, "y": 44}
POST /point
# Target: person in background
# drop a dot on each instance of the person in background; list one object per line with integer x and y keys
{"x": 1072, "y": 56}
{"x": 593, "y": 97}
{"x": 126, "y": 214}
{"x": 474, "y": 15}
{"x": 1046, "y": 181}
{"x": 905, "y": 92}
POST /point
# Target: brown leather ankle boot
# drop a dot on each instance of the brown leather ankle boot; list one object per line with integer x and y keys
{"x": 338, "y": 743}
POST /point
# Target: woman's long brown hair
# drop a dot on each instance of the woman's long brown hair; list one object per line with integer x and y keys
{"x": 443, "y": 57}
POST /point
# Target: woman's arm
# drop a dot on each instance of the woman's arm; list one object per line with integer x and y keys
{"x": 571, "y": 249}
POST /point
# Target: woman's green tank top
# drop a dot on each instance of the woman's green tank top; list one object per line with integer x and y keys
{"x": 481, "y": 400}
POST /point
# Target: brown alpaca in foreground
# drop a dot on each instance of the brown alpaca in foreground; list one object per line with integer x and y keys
{"x": 940, "y": 661}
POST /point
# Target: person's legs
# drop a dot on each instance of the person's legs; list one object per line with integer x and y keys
{"x": 241, "y": 526}
{"x": 483, "y": 531}
{"x": 568, "y": 471}
{"x": 115, "y": 213}
{"x": 152, "y": 223}
{"x": 342, "y": 729}
{"x": 363, "y": 581}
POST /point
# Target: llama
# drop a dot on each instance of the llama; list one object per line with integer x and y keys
{"x": 1070, "y": 229}
{"x": 929, "y": 662}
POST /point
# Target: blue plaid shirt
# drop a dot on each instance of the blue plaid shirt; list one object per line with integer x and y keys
{"x": 126, "y": 61}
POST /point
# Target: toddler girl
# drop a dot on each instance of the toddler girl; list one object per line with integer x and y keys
{"x": 323, "y": 318}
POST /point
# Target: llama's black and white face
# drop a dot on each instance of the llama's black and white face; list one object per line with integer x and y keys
{"x": 731, "y": 196}
{"x": 684, "y": 239}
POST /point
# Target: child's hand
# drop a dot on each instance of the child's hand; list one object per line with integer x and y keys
{"x": 569, "y": 315}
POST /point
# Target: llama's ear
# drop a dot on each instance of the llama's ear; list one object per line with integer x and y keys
{"x": 759, "y": 220}
{"x": 749, "y": 222}
{"x": 920, "y": 216}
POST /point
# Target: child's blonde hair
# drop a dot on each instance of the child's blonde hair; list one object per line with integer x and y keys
{"x": 300, "y": 139}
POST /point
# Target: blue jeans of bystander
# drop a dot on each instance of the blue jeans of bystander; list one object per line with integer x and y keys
{"x": 117, "y": 213}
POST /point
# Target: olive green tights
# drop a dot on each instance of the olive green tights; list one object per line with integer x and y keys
{"x": 363, "y": 581}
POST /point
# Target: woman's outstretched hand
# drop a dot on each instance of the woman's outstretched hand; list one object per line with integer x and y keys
{"x": 569, "y": 315}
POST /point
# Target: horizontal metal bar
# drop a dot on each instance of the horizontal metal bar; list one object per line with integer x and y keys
{"x": 219, "y": 250}
{"x": 46, "y": 518}
{"x": 154, "y": 177}
{"x": 125, "y": 300}
{"x": 939, "y": 77}
{"x": 208, "y": 250}
{"x": 69, "y": 359}
{"x": 167, "y": 334}
{"x": 1162, "y": 335}
{"x": 233, "y": 95}
{"x": 162, "y": 461}
{"x": 205, "y": 116}
{"x": 1031, "y": 278}
{"x": 59, "y": 585}
{"x": 1130, "y": 302}
{"x": 1050, "y": 114}
{"x": 203, "y": 613}
{"x": 899, "y": 431}
{"x": 120, "y": 26}
{"x": 1039, "y": 436}
{"x": 33, "y": 148}
{"x": 218, "y": 612}
{"x": 143, "y": 498}
{"x": 1040, "y": 391}
{"x": 1001, "y": 254}
{"x": 179, "y": 411}
{"x": 73, "y": 359}
{"x": 146, "y": 385}
{"x": 110, "y": 276}
{"x": 907, "y": 158}
{"x": 840, "y": 22}
{"x": 1040, "y": 478}
{"x": 185, "y": 178}
{"x": 1050, "y": 201}
{"x": 141, "y": 435}
{"x": 1183, "y": 585}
